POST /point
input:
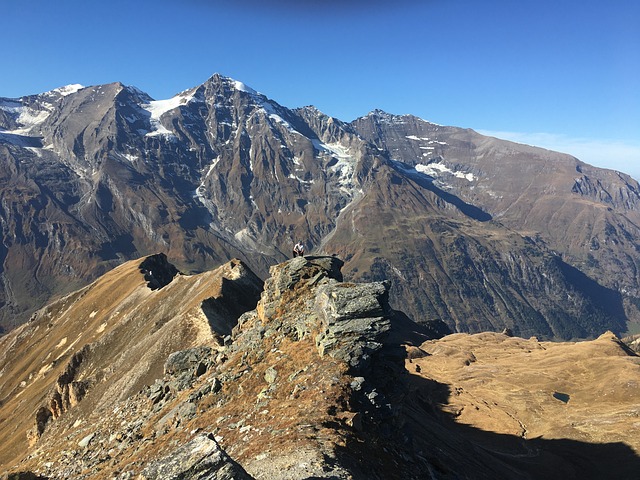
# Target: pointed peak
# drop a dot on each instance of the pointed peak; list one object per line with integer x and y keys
{"x": 218, "y": 79}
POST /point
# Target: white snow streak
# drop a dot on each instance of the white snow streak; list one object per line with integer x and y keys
{"x": 306, "y": 182}
{"x": 68, "y": 89}
{"x": 435, "y": 169}
{"x": 344, "y": 166}
{"x": 157, "y": 108}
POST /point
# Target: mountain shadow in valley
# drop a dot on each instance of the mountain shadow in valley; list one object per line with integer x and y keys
{"x": 606, "y": 304}
{"x": 407, "y": 432}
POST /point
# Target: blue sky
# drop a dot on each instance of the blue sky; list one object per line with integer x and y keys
{"x": 559, "y": 74}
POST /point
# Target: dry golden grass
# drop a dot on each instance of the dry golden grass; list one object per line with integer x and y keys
{"x": 586, "y": 391}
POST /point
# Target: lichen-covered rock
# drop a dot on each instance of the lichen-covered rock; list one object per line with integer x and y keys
{"x": 200, "y": 459}
{"x": 189, "y": 360}
{"x": 354, "y": 319}
{"x": 300, "y": 270}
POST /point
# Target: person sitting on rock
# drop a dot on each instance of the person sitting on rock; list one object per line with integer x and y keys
{"x": 298, "y": 250}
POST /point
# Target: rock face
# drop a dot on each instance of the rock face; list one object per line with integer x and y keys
{"x": 322, "y": 379}
{"x": 201, "y": 458}
{"x": 354, "y": 321}
{"x": 478, "y": 233}
{"x": 572, "y": 222}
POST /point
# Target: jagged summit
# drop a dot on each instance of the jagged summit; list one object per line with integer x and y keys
{"x": 383, "y": 116}
{"x": 217, "y": 78}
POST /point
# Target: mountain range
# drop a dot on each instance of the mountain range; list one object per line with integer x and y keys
{"x": 472, "y": 232}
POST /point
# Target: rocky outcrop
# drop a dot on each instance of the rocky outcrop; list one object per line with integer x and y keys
{"x": 200, "y": 459}
{"x": 157, "y": 271}
{"x": 285, "y": 371}
{"x": 66, "y": 393}
{"x": 354, "y": 320}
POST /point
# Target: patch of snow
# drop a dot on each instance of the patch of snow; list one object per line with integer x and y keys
{"x": 414, "y": 137}
{"x": 344, "y": 167}
{"x": 36, "y": 150}
{"x": 243, "y": 88}
{"x": 306, "y": 182}
{"x": 199, "y": 192}
{"x": 212, "y": 166}
{"x": 68, "y": 89}
{"x": 273, "y": 114}
{"x": 435, "y": 169}
{"x": 334, "y": 149}
{"x": 251, "y": 158}
{"x": 27, "y": 117}
{"x": 30, "y": 118}
{"x": 432, "y": 168}
{"x": 157, "y": 108}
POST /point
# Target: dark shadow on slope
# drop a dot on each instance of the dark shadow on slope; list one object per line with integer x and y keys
{"x": 157, "y": 271}
{"x": 606, "y": 309}
{"x": 406, "y": 432}
{"x": 426, "y": 182}
{"x": 20, "y": 140}
{"x": 235, "y": 298}
{"x": 122, "y": 245}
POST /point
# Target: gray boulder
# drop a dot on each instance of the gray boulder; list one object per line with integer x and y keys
{"x": 355, "y": 318}
{"x": 200, "y": 459}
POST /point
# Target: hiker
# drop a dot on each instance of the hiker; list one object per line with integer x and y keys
{"x": 298, "y": 250}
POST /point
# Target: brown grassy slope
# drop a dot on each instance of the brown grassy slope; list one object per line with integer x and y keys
{"x": 561, "y": 399}
{"x": 125, "y": 332}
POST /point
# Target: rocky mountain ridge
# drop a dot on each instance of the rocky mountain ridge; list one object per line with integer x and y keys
{"x": 477, "y": 232}
{"x": 322, "y": 379}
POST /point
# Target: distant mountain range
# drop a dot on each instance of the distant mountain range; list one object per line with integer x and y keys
{"x": 473, "y": 231}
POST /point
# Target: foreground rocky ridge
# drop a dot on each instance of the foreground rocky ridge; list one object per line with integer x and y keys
{"x": 477, "y": 232}
{"x": 102, "y": 344}
{"x": 322, "y": 379}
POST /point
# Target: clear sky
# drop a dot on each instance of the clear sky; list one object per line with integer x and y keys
{"x": 563, "y": 74}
